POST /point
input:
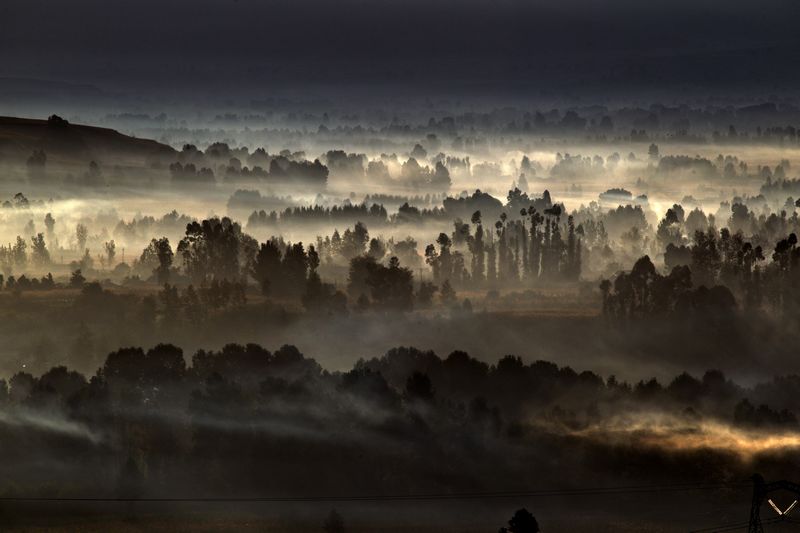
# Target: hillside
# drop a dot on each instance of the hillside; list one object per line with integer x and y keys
{"x": 19, "y": 137}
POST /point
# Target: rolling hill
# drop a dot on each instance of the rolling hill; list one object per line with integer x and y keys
{"x": 19, "y": 137}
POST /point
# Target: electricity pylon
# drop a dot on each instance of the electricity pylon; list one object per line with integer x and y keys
{"x": 761, "y": 491}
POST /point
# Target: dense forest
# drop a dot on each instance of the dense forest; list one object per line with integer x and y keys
{"x": 622, "y": 314}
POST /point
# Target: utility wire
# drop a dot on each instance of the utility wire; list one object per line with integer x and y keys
{"x": 736, "y": 525}
{"x": 596, "y": 491}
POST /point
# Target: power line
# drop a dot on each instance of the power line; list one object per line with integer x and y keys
{"x": 596, "y": 491}
{"x": 735, "y": 526}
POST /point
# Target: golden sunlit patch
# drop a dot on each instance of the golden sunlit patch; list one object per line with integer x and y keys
{"x": 685, "y": 434}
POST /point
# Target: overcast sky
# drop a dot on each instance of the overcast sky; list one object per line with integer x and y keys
{"x": 364, "y": 41}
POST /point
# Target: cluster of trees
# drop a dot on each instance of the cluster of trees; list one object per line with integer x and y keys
{"x": 614, "y": 239}
{"x": 463, "y": 206}
{"x": 216, "y": 249}
{"x": 355, "y": 242}
{"x": 349, "y": 213}
{"x": 189, "y": 174}
{"x": 410, "y": 214}
{"x": 533, "y": 246}
{"x": 412, "y": 174}
{"x": 425, "y": 178}
{"x": 721, "y": 257}
{"x": 767, "y": 123}
{"x": 386, "y": 287}
{"x": 216, "y": 253}
{"x": 244, "y": 419}
{"x": 762, "y": 222}
{"x": 23, "y": 283}
{"x": 21, "y": 257}
{"x": 643, "y": 293}
{"x": 573, "y": 166}
{"x": 291, "y": 270}
{"x": 721, "y": 266}
{"x": 408, "y": 211}
{"x": 782, "y": 278}
{"x": 536, "y": 243}
{"x": 528, "y": 249}
{"x": 780, "y": 188}
{"x": 211, "y": 250}
{"x": 279, "y": 169}
{"x": 287, "y": 171}
{"x": 18, "y": 201}
{"x": 427, "y": 200}
{"x": 156, "y": 261}
{"x": 350, "y": 244}
{"x": 15, "y": 257}
{"x": 282, "y": 171}
{"x": 146, "y": 226}
{"x": 685, "y": 164}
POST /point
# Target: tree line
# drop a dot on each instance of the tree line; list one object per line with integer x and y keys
{"x": 243, "y": 418}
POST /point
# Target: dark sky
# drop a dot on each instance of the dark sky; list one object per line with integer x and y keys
{"x": 170, "y": 42}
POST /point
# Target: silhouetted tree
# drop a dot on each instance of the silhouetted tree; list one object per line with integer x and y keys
{"x": 214, "y": 249}
{"x": 523, "y": 522}
{"x": 81, "y": 236}
{"x": 76, "y": 279}
{"x": 40, "y": 256}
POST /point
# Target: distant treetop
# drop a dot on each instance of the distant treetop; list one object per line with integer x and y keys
{"x": 55, "y": 120}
